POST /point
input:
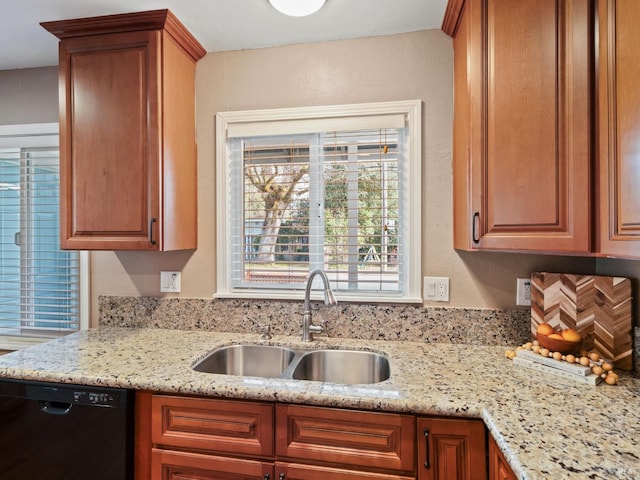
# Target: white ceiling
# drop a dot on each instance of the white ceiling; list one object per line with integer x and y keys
{"x": 218, "y": 24}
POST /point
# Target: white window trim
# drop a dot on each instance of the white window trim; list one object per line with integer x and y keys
{"x": 238, "y": 121}
{"x": 44, "y": 135}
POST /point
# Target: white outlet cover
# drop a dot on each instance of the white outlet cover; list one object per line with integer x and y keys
{"x": 523, "y": 292}
{"x": 436, "y": 289}
{"x": 170, "y": 282}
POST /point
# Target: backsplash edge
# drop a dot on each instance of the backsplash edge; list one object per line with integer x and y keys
{"x": 358, "y": 321}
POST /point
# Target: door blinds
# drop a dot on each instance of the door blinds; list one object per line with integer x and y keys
{"x": 39, "y": 283}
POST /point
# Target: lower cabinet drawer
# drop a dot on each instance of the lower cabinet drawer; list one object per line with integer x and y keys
{"x": 292, "y": 471}
{"x": 168, "y": 465}
{"x": 241, "y": 428}
{"x": 352, "y": 438}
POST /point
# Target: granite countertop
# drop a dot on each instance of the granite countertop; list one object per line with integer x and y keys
{"x": 547, "y": 427}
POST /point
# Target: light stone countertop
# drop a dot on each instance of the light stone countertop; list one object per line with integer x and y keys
{"x": 548, "y": 427}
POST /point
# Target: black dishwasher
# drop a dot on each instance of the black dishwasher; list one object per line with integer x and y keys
{"x": 54, "y": 431}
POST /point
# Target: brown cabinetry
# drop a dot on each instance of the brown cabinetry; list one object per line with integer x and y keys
{"x": 498, "y": 467}
{"x": 176, "y": 465}
{"x": 618, "y": 127}
{"x": 293, "y": 471}
{"x": 196, "y": 438}
{"x": 546, "y": 116}
{"x": 203, "y": 438}
{"x": 127, "y": 132}
{"x": 451, "y": 449}
{"x": 522, "y": 125}
{"x": 188, "y": 437}
{"x": 223, "y": 426}
{"x": 334, "y": 436}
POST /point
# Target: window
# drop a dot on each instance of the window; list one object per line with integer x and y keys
{"x": 336, "y": 188}
{"x": 40, "y": 285}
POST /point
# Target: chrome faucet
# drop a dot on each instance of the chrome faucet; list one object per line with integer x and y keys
{"x": 308, "y": 329}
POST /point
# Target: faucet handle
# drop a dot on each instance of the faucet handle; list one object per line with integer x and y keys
{"x": 266, "y": 332}
{"x": 315, "y": 328}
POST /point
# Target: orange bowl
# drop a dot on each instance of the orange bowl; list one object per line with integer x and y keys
{"x": 558, "y": 345}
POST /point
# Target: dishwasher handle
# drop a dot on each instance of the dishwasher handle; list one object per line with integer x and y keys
{"x": 55, "y": 408}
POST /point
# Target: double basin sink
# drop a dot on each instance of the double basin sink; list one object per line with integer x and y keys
{"x": 323, "y": 365}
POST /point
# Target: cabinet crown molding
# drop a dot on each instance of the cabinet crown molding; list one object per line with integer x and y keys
{"x": 128, "y": 22}
{"x": 452, "y": 16}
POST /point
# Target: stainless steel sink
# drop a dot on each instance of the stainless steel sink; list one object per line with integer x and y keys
{"x": 324, "y": 365}
{"x": 250, "y": 360}
{"x": 342, "y": 366}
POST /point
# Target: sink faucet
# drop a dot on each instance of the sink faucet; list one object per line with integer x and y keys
{"x": 308, "y": 329}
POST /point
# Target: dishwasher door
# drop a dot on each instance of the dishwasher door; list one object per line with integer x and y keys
{"x": 52, "y": 431}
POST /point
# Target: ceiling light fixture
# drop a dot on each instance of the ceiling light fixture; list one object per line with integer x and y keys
{"x": 297, "y": 8}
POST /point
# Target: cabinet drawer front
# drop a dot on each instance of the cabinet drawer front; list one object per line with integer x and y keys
{"x": 292, "y": 471}
{"x": 167, "y": 465}
{"x": 364, "y": 439}
{"x": 243, "y": 428}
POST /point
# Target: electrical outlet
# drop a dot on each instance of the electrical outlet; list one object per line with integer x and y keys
{"x": 170, "y": 282}
{"x": 523, "y": 295}
{"x": 436, "y": 289}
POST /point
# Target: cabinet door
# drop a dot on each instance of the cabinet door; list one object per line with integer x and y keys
{"x": 522, "y": 134}
{"x": 498, "y": 467}
{"x": 127, "y": 132}
{"x": 352, "y": 438}
{"x": 109, "y": 125}
{"x": 292, "y": 471}
{"x": 619, "y": 128}
{"x": 451, "y": 449}
{"x": 168, "y": 465}
{"x": 224, "y": 426}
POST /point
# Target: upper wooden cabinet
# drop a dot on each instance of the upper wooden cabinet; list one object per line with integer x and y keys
{"x": 546, "y": 156}
{"x": 618, "y": 128}
{"x": 127, "y": 132}
{"x": 522, "y": 124}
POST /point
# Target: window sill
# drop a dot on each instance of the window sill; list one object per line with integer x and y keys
{"x": 299, "y": 296}
{"x": 13, "y": 343}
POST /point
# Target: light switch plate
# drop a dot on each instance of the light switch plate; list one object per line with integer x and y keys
{"x": 436, "y": 289}
{"x": 170, "y": 282}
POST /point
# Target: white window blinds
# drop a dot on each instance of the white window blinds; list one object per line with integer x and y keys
{"x": 39, "y": 283}
{"x": 329, "y": 200}
{"x": 295, "y": 195}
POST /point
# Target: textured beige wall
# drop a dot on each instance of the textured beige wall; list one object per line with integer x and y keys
{"x": 29, "y": 95}
{"x": 400, "y": 67}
